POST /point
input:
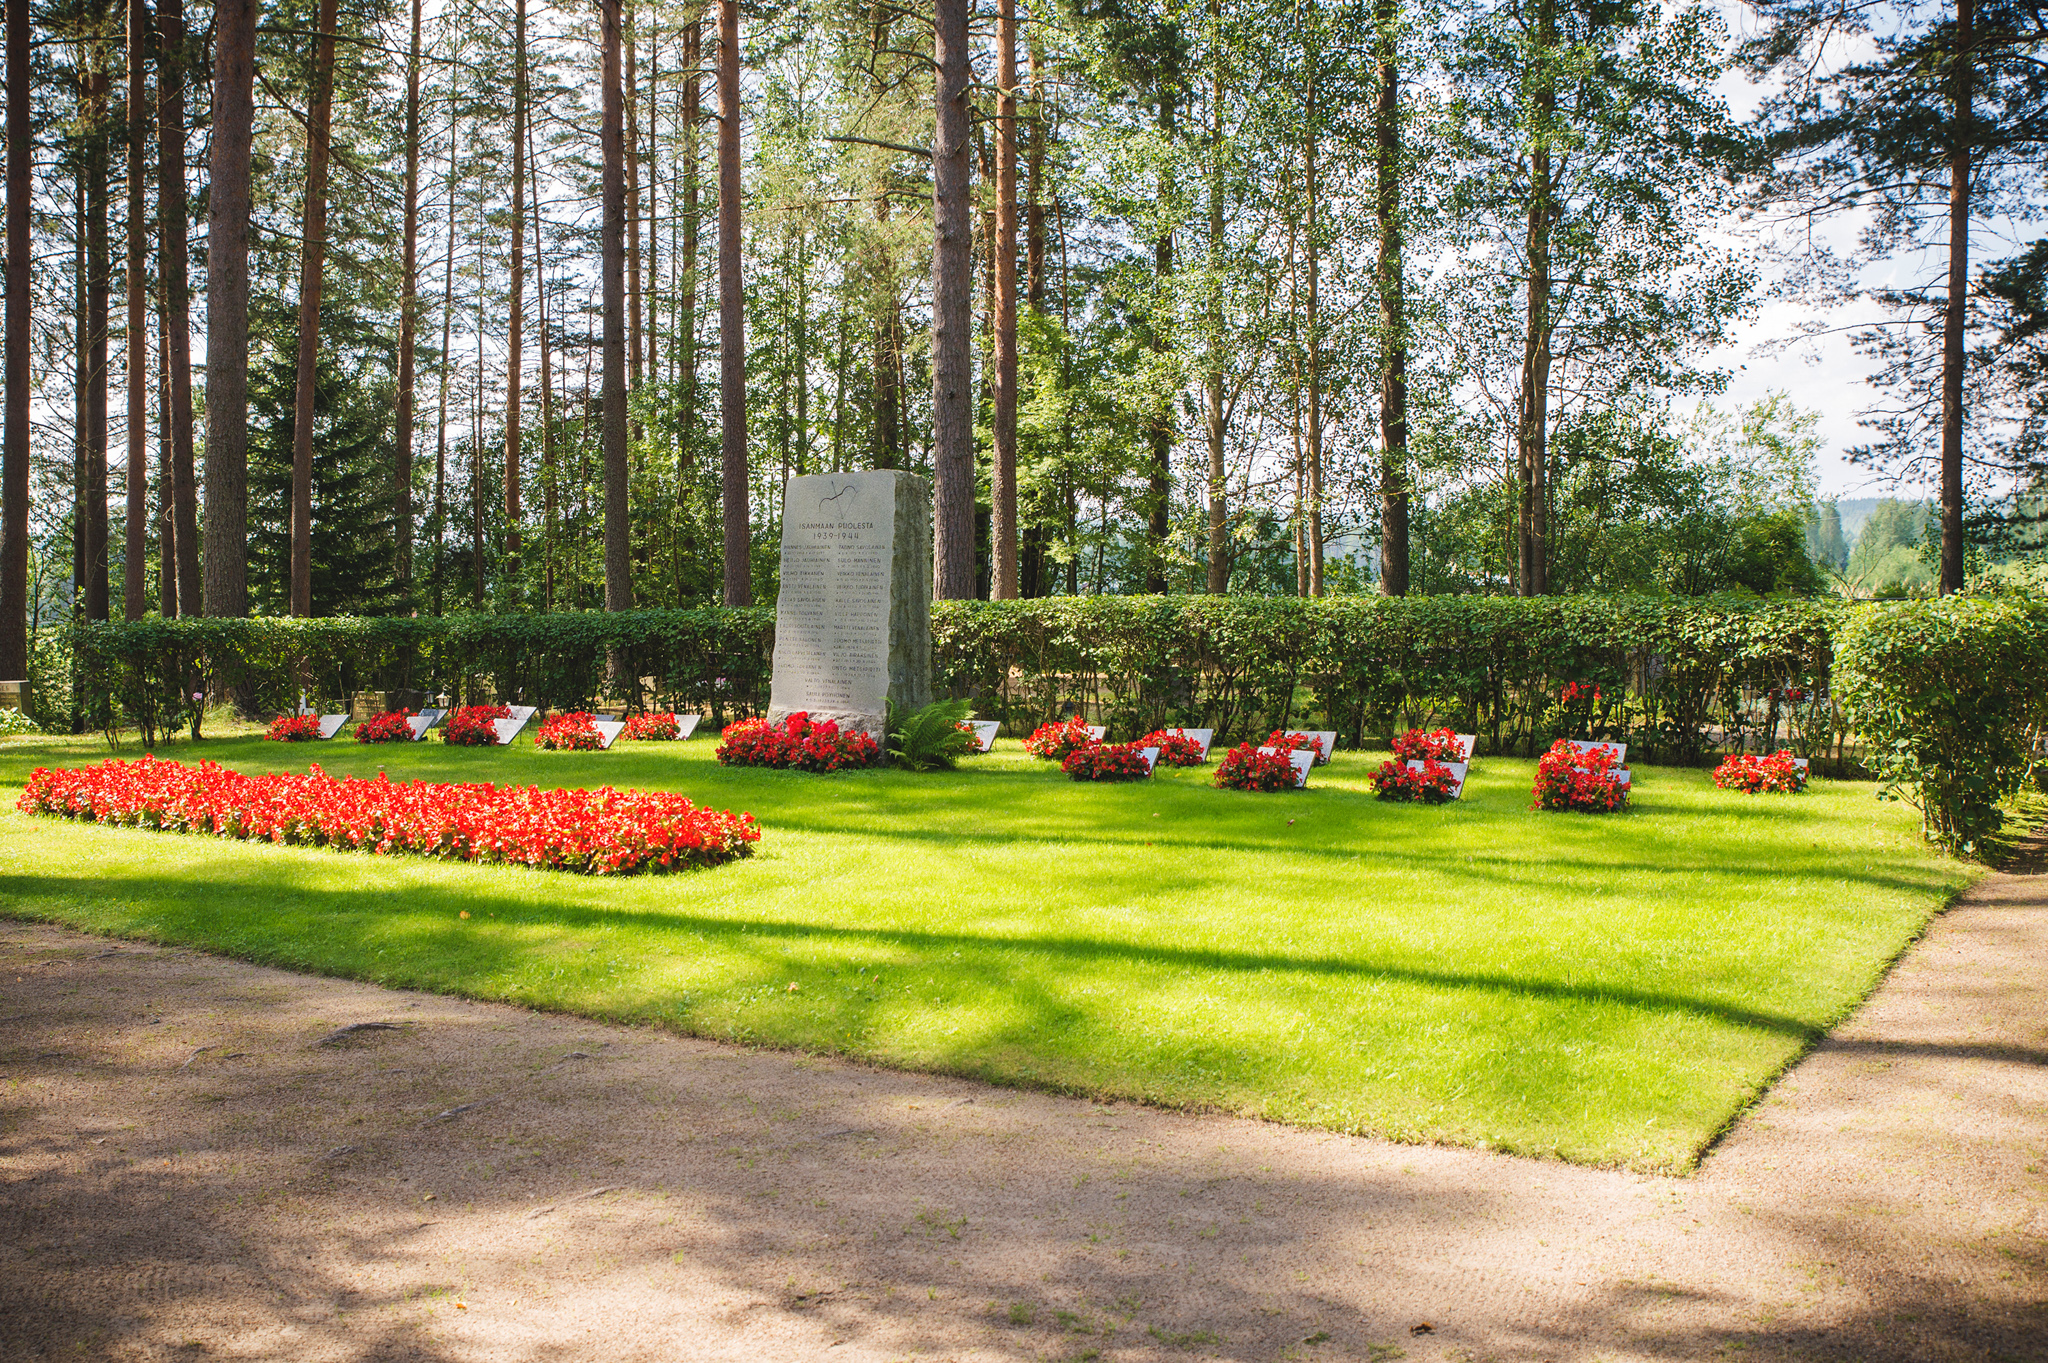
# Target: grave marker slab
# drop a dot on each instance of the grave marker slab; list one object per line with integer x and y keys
{"x": 1151, "y": 756}
{"x": 1202, "y": 736}
{"x": 686, "y": 725}
{"x": 1328, "y": 738}
{"x": 1097, "y": 731}
{"x": 853, "y": 618}
{"x": 1583, "y": 746}
{"x": 1466, "y": 742}
{"x": 423, "y": 721}
{"x": 330, "y": 725}
{"x": 1300, "y": 760}
{"x": 508, "y": 729}
{"x": 608, "y": 730}
{"x": 984, "y": 733}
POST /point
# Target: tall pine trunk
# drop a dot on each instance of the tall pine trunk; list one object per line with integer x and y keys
{"x": 618, "y": 564}
{"x": 1956, "y": 319}
{"x": 227, "y": 310}
{"x": 1219, "y": 543}
{"x": 1533, "y": 425}
{"x": 732, "y": 334}
{"x": 408, "y": 307}
{"x": 312, "y": 270}
{"x": 172, "y": 247}
{"x": 1393, "y": 314}
{"x": 14, "y": 450}
{"x": 548, "y": 473}
{"x": 440, "y": 518}
{"x": 952, "y": 314}
{"x": 1031, "y": 549}
{"x": 632, "y": 163}
{"x": 1159, "y": 429}
{"x": 1311, "y": 241}
{"x": 135, "y": 555}
{"x": 1005, "y": 246}
{"x": 97, "y": 288}
{"x": 515, "y": 315}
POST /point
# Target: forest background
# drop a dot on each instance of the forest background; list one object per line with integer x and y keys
{"x": 1266, "y": 296}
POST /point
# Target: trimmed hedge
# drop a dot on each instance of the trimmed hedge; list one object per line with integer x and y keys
{"x": 144, "y": 673}
{"x": 1951, "y": 697}
{"x": 1680, "y": 680}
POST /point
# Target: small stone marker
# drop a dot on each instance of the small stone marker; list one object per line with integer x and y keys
{"x": 330, "y": 725}
{"x": 686, "y": 725}
{"x": 1804, "y": 764}
{"x": 508, "y": 729}
{"x": 1582, "y": 746}
{"x": 853, "y": 618}
{"x": 1202, "y": 736}
{"x": 984, "y": 733}
{"x": 1466, "y": 742}
{"x": 1301, "y": 759}
{"x": 1328, "y": 738}
{"x": 1457, "y": 769}
{"x": 1151, "y": 756}
{"x": 1097, "y": 731}
{"x": 607, "y": 731}
{"x": 423, "y": 721}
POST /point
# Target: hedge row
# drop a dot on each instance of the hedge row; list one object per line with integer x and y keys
{"x": 1951, "y": 698}
{"x": 1680, "y": 680}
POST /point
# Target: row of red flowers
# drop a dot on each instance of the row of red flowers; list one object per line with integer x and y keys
{"x": 798, "y": 744}
{"x": 1585, "y": 781}
{"x": 1432, "y": 783}
{"x": 294, "y": 729}
{"x": 1756, "y": 772}
{"x": 596, "y": 832}
{"x": 1244, "y": 767}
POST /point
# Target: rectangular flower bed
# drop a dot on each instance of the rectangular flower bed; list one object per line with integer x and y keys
{"x": 595, "y": 832}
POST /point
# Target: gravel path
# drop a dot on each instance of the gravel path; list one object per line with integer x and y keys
{"x": 197, "y": 1162}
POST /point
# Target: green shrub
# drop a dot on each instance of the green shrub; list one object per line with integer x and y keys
{"x": 1949, "y": 696}
{"x": 931, "y": 739}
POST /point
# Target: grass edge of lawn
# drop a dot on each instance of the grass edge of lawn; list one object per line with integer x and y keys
{"x": 1032, "y": 1083}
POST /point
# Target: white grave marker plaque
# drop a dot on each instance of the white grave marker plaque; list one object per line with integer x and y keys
{"x": 853, "y": 617}
{"x": 1582, "y": 746}
{"x": 1202, "y": 736}
{"x": 1151, "y": 756}
{"x": 1096, "y": 731}
{"x": 984, "y": 733}
{"x": 686, "y": 725}
{"x": 1466, "y": 742}
{"x": 1301, "y": 759}
{"x": 508, "y": 729}
{"x": 423, "y": 721}
{"x": 330, "y": 725}
{"x": 1327, "y": 737}
{"x": 608, "y": 731}
{"x": 1457, "y": 770}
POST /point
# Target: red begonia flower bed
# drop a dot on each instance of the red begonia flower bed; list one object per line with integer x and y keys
{"x": 1432, "y": 785}
{"x": 1428, "y": 745}
{"x": 389, "y": 727}
{"x": 1585, "y": 781}
{"x": 595, "y": 832}
{"x": 470, "y": 726}
{"x": 1107, "y": 762}
{"x": 1055, "y": 740}
{"x": 572, "y": 732}
{"x": 1755, "y": 773}
{"x": 797, "y": 744}
{"x": 1244, "y": 767}
{"x": 294, "y": 729}
{"x": 1295, "y": 741}
{"x": 1175, "y": 750}
{"x": 655, "y": 728}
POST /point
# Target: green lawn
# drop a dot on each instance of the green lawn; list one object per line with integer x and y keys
{"x": 1604, "y": 989}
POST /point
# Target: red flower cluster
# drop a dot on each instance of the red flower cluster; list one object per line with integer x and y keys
{"x": 1437, "y": 745}
{"x": 389, "y": 727}
{"x": 294, "y": 728}
{"x": 653, "y": 728}
{"x": 571, "y": 732}
{"x": 1296, "y": 742}
{"x": 470, "y": 726}
{"x": 1577, "y": 693}
{"x": 1569, "y": 779}
{"x": 1175, "y": 750}
{"x": 796, "y": 743}
{"x": 1432, "y": 785}
{"x": 1107, "y": 762}
{"x": 1244, "y": 767}
{"x": 1055, "y": 741}
{"x": 596, "y": 832}
{"x": 1754, "y": 773}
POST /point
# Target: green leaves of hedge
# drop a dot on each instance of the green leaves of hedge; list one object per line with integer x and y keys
{"x": 1949, "y": 696}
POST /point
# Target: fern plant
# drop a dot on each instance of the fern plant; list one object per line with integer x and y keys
{"x": 931, "y": 739}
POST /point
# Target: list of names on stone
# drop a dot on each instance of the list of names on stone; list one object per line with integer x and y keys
{"x": 832, "y": 615}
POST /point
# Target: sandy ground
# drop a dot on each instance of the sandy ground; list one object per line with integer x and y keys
{"x": 188, "y": 1170}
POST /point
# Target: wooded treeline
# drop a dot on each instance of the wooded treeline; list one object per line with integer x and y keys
{"x": 491, "y": 302}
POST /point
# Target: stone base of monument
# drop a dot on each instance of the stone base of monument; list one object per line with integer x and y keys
{"x": 853, "y": 618}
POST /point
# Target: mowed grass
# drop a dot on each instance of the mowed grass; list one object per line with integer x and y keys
{"x": 1601, "y": 989}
